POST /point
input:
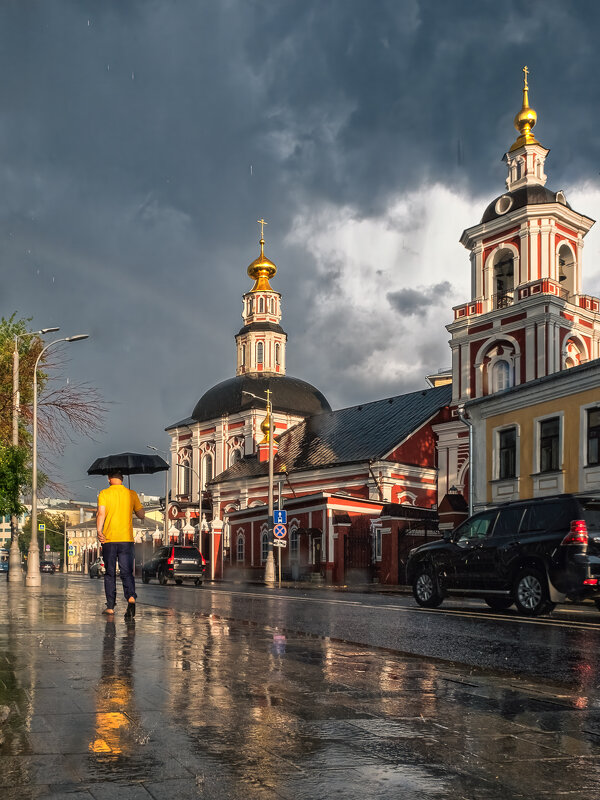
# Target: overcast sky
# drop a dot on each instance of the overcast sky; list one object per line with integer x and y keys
{"x": 141, "y": 140}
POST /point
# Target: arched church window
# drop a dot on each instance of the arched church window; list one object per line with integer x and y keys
{"x": 264, "y": 547}
{"x": 504, "y": 279}
{"x": 234, "y": 456}
{"x": 184, "y": 476}
{"x": 260, "y": 353}
{"x": 277, "y": 354}
{"x": 243, "y": 355}
{"x": 294, "y": 544}
{"x": 240, "y": 548}
{"x": 501, "y": 376}
{"x": 250, "y": 305}
{"x": 261, "y": 305}
{"x": 566, "y": 270}
{"x": 207, "y": 469}
{"x": 574, "y": 355}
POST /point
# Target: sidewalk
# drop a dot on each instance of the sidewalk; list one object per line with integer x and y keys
{"x": 186, "y": 706}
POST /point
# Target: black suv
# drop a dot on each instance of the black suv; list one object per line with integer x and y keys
{"x": 175, "y": 562}
{"x": 533, "y": 553}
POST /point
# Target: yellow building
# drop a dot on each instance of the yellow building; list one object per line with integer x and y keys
{"x": 539, "y": 438}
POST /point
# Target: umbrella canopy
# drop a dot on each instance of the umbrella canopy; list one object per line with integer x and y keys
{"x": 129, "y": 464}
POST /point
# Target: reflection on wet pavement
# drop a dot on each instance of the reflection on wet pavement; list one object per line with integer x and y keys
{"x": 181, "y": 705}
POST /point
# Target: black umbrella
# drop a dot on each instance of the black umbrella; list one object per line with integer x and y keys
{"x": 129, "y": 464}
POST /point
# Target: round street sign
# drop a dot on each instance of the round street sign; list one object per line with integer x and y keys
{"x": 279, "y": 531}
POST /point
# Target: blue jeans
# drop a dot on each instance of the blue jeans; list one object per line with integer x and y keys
{"x": 124, "y": 552}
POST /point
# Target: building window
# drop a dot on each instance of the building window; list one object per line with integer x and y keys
{"x": 184, "y": 477}
{"x": 507, "y": 454}
{"x": 549, "y": 444}
{"x": 593, "y": 437}
{"x": 501, "y": 378}
{"x": 207, "y": 468}
{"x": 264, "y": 547}
{"x": 240, "y": 548}
{"x": 294, "y": 544}
{"x": 277, "y": 354}
{"x": 243, "y": 355}
{"x": 234, "y": 456}
{"x": 377, "y": 544}
{"x": 260, "y": 353}
{"x": 261, "y": 305}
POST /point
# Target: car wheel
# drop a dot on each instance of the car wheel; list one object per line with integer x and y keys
{"x": 198, "y": 582}
{"x": 530, "y": 593}
{"x": 425, "y": 589}
{"x": 178, "y": 581}
{"x": 162, "y": 578}
{"x": 499, "y": 603}
{"x": 92, "y": 576}
{"x": 145, "y": 577}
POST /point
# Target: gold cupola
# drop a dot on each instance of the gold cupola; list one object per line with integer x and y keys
{"x": 526, "y": 118}
{"x": 262, "y": 268}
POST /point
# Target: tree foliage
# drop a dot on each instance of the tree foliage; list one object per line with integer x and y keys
{"x": 54, "y": 532}
{"x": 13, "y": 476}
{"x": 64, "y": 408}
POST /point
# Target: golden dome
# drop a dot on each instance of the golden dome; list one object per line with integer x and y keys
{"x": 525, "y": 119}
{"x": 260, "y": 270}
{"x": 265, "y": 427}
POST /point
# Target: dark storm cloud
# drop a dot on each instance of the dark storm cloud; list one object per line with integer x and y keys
{"x": 140, "y": 140}
{"x": 414, "y": 301}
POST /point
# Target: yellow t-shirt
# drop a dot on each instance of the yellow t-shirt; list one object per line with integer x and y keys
{"x": 119, "y": 502}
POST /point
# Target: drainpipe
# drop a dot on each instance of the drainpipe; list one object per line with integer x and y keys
{"x": 466, "y": 420}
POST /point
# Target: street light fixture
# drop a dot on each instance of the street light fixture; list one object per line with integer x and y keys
{"x": 33, "y": 559}
{"x": 15, "y": 573}
{"x": 270, "y": 562}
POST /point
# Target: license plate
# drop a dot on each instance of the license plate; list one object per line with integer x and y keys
{"x": 187, "y": 561}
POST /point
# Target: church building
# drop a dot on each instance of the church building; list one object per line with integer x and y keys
{"x": 363, "y": 485}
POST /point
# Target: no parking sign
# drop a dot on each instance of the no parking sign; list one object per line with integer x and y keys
{"x": 279, "y": 531}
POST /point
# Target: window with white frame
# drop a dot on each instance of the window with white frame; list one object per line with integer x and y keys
{"x": 593, "y": 437}
{"x": 501, "y": 376}
{"x": 264, "y": 546}
{"x": 184, "y": 476}
{"x": 234, "y": 455}
{"x": 207, "y": 469}
{"x": 294, "y": 544}
{"x": 240, "y": 549}
{"x": 377, "y": 544}
{"x": 507, "y": 453}
{"x": 260, "y": 353}
{"x": 549, "y": 447}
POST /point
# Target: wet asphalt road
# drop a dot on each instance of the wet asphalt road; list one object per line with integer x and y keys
{"x": 216, "y": 693}
{"x": 563, "y": 647}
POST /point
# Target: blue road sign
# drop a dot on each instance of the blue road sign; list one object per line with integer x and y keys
{"x": 279, "y": 516}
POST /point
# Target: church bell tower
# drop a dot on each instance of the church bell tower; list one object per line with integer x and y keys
{"x": 527, "y": 316}
{"x": 261, "y": 341}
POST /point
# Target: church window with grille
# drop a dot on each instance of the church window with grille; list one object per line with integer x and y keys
{"x": 207, "y": 468}
{"x": 264, "y": 547}
{"x": 240, "y": 554}
{"x": 260, "y": 353}
{"x": 501, "y": 376}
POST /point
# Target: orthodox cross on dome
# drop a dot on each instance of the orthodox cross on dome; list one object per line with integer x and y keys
{"x": 262, "y": 224}
{"x": 526, "y": 71}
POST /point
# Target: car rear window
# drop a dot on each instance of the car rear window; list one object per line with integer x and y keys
{"x": 591, "y": 514}
{"x": 187, "y": 552}
{"x": 548, "y": 517}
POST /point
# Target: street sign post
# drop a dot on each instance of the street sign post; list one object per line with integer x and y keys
{"x": 279, "y": 516}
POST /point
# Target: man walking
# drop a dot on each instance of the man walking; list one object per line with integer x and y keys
{"x": 115, "y": 532}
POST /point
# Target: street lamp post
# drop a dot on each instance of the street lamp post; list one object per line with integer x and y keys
{"x": 15, "y": 574}
{"x": 33, "y": 559}
{"x": 270, "y": 562}
{"x": 166, "y": 516}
